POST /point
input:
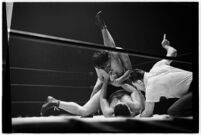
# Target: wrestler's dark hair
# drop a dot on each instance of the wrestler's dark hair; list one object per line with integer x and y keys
{"x": 137, "y": 74}
{"x": 99, "y": 58}
{"x": 121, "y": 110}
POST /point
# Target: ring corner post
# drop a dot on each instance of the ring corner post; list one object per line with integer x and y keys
{"x": 6, "y": 96}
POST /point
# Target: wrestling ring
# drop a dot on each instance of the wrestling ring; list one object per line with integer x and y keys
{"x": 157, "y": 123}
{"x": 67, "y": 123}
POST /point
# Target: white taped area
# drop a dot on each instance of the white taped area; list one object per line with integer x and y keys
{"x": 98, "y": 118}
{"x": 97, "y": 124}
{"x": 9, "y": 12}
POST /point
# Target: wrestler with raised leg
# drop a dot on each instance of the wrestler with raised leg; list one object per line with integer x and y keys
{"x": 116, "y": 65}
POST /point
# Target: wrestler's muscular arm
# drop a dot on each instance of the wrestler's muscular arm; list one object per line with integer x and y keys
{"x": 105, "y": 107}
{"x": 97, "y": 87}
{"x": 136, "y": 96}
{"x": 99, "y": 81}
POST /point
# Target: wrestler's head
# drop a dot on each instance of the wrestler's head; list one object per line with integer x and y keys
{"x": 122, "y": 110}
{"x": 101, "y": 60}
{"x": 137, "y": 74}
{"x": 137, "y": 77}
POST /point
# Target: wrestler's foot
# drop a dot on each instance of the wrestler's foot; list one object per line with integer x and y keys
{"x": 99, "y": 20}
{"x": 51, "y": 102}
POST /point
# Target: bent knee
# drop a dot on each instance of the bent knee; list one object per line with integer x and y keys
{"x": 173, "y": 111}
{"x": 84, "y": 112}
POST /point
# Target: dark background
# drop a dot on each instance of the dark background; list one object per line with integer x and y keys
{"x": 134, "y": 26}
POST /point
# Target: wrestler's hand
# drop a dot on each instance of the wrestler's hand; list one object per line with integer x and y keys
{"x": 120, "y": 81}
{"x": 116, "y": 83}
{"x": 113, "y": 77}
{"x": 165, "y": 42}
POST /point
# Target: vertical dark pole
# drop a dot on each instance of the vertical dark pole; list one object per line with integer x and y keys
{"x": 195, "y": 68}
{"x": 6, "y": 94}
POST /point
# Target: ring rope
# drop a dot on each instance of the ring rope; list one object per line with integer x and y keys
{"x": 147, "y": 62}
{"x": 184, "y": 54}
{"x": 49, "y": 70}
{"x": 19, "y": 102}
{"x": 57, "y": 86}
{"x": 87, "y": 45}
{"x": 62, "y": 71}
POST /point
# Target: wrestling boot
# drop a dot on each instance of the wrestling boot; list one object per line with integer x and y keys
{"x": 51, "y": 103}
{"x": 100, "y": 21}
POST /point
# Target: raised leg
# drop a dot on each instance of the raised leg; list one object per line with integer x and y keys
{"x": 107, "y": 38}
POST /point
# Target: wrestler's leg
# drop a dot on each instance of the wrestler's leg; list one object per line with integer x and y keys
{"x": 107, "y": 38}
{"x": 109, "y": 41}
{"x": 90, "y": 107}
{"x": 182, "y": 107}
